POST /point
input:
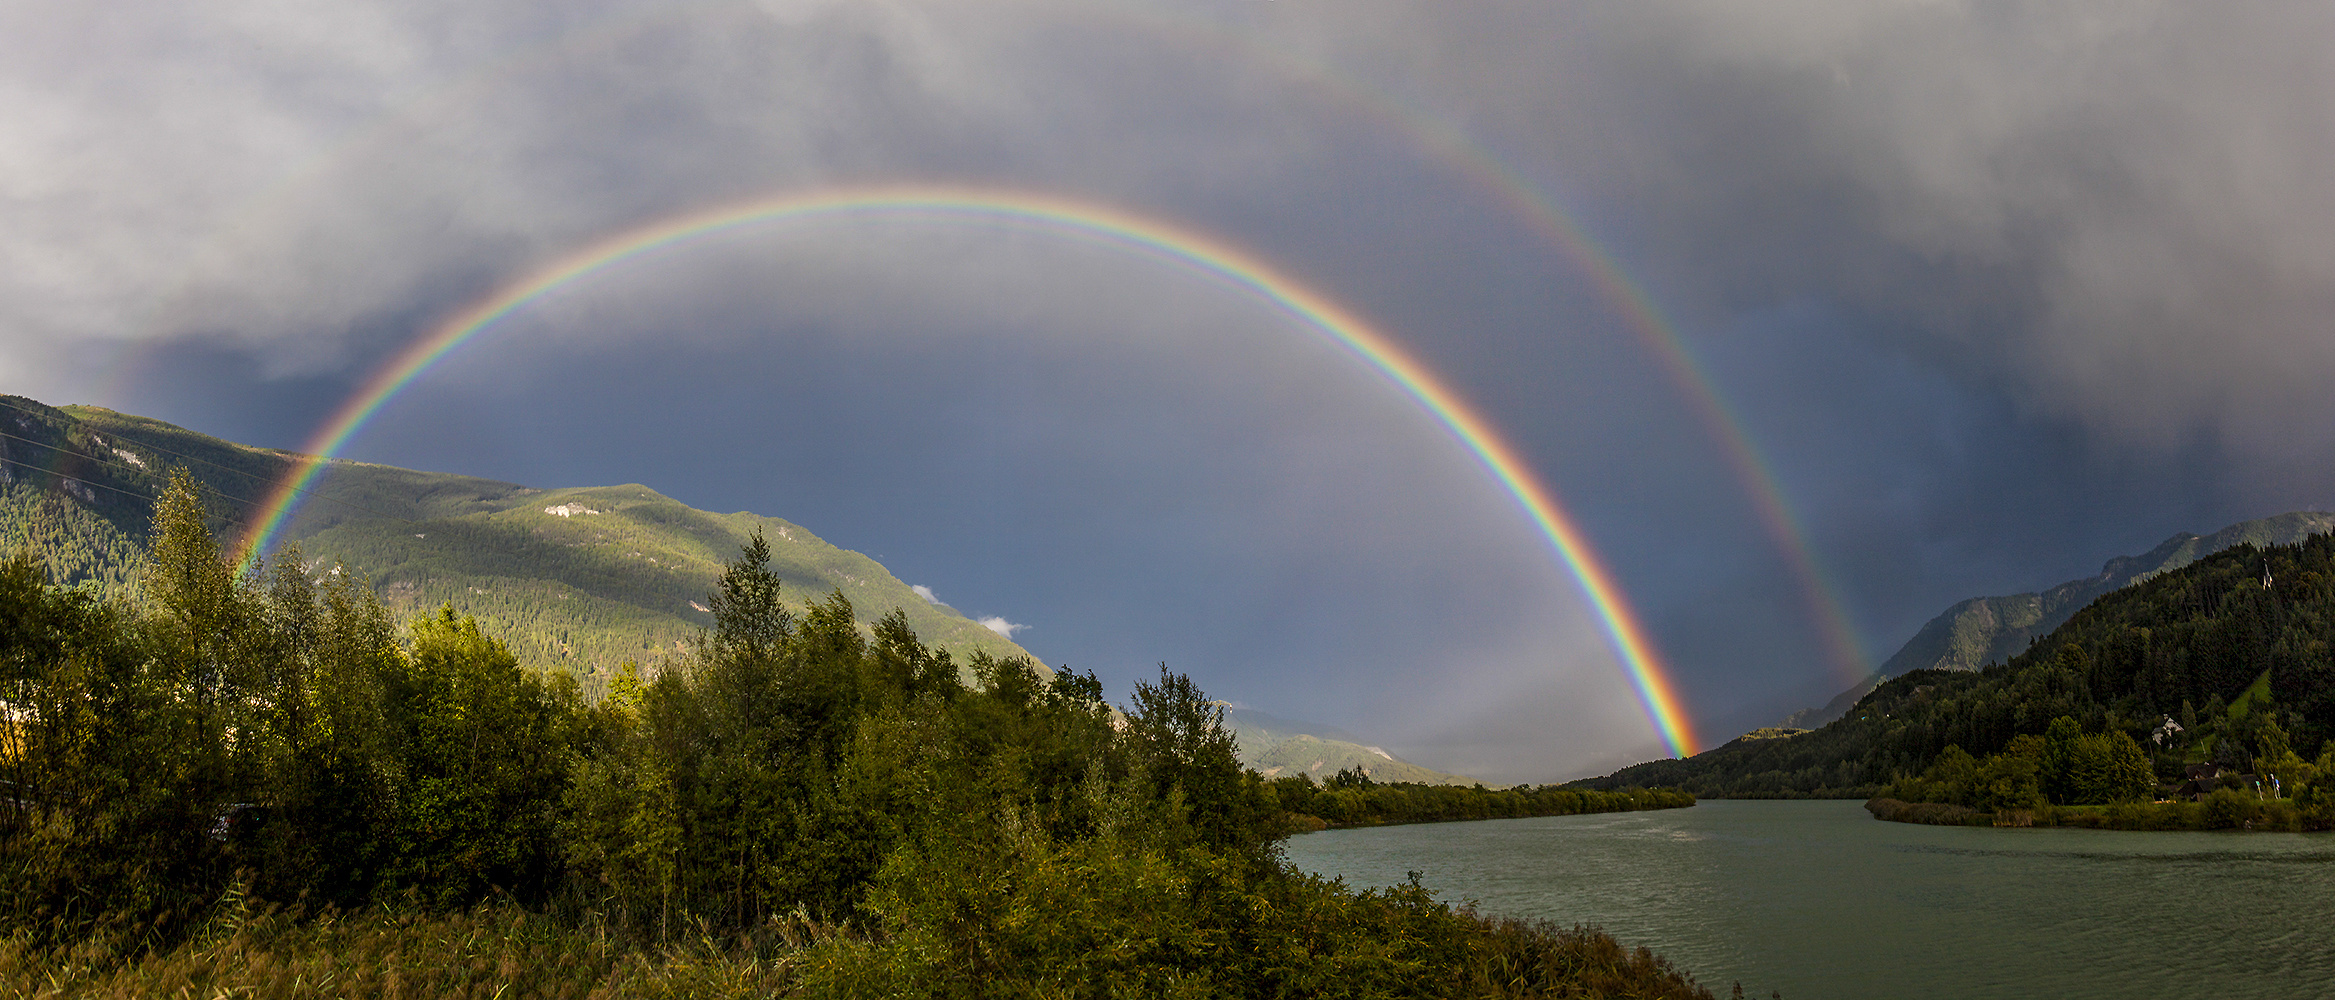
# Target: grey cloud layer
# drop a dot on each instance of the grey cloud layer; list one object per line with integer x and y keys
{"x": 2125, "y": 203}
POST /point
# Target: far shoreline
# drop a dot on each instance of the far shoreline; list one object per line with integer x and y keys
{"x": 2234, "y": 813}
{"x": 1311, "y": 810}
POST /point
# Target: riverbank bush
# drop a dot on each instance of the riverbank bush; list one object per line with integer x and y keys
{"x": 2225, "y": 809}
{"x": 252, "y": 784}
{"x": 1350, "y": 798}
{"x": 2066, "y": 766}
{"x": 1930, "y": 813}
{"x": 2097, "y": 781}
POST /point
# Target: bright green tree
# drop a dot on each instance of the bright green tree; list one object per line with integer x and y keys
{"x": 480, "y": 763}
{"x": 2108, "y": 767}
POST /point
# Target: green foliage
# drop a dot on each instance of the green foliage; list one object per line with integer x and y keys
{"x": 77, "y": 545}
{"x": 2065, "y": 766}
{"x": 1362, "y": 802}
{"x": 2108, "y": 767}
{"x": 1179, "y": 741}
{"x": 750, "y": 620}
{"x": 819, "y": 805}
{"x": 2206, "y": 643}
{"x": 2008, "y": 781}
{"x": 477, "y": 748}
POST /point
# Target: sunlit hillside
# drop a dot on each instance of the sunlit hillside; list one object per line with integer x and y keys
{"x": 580, "y": 578}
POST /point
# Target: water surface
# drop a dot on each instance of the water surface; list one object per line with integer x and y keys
{"x": 1821, "y": 901}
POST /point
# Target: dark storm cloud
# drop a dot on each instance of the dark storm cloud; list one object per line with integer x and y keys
{"x": 2099, "y": 231}
{"x": 2124, "y": 205}
{"x": 2000, "y": 290}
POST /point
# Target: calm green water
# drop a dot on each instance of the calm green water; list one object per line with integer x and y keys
{"x": 1821, "y": 901}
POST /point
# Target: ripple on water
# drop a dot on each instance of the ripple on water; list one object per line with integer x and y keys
{"x": 1819, "y": 900}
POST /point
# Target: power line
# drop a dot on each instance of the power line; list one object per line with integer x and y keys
{"x": 85, "y": 482}
{"x": 206, "y": 486}
{"x": 149, "y": 446}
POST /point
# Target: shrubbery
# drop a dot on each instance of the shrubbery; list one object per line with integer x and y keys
{"x": 2066, "y": 766}
{"x": 1350, "y": 798}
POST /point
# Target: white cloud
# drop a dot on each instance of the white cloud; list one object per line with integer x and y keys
{"x": 1001, "y": 626}
{"x": 925, "y": 592}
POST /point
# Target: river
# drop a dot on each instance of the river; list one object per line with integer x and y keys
{"x": 1823, "y": 902}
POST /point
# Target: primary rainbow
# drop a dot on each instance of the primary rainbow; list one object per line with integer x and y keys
{"x": 1093, "y": 221}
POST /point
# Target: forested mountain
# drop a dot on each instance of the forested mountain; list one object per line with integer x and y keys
{"x": 2233, "y": 646}
{"x": 1985, "y": 630}
{"x": 578, "y": 579}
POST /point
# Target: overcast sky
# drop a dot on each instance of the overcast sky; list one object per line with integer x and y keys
{"x": 1993, "y": 291}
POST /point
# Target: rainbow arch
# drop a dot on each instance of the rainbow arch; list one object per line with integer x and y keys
{"x": 1093, "y": 221}
{"x": 1466, "y": 157}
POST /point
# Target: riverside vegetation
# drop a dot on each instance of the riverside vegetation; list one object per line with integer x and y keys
{"x": 2228, "y": 661}
{"x": 255, "y": 785}
{"x": 2103, "y": 780}
{"x": 1351, "y": 798}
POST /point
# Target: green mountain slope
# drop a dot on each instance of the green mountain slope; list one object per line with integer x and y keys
{"x": 76, "y": 497}
{"x": 1276, "y": 747}
{"x": 1985, "y": 630}
{"x": 580, "y": 579}
{"x": 2248, "y": 627}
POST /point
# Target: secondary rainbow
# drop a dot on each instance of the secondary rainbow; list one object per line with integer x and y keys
{"x": 1549, "y": 220}
{"x": 1100, "y": 223}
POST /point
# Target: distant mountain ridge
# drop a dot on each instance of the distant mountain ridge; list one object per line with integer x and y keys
{"x": 1983, "y": 630}
{"x": 578, "y": 579}
{"x": 1277, "y": 747}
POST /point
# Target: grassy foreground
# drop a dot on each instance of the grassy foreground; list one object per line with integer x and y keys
{"x": 255, "y": 951}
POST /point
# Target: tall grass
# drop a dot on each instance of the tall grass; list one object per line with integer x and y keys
{"x": 253, "y": 951}
{"x": 492, "y": 953}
